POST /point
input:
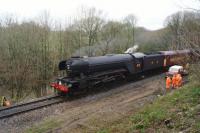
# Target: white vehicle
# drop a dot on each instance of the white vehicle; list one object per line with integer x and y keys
{"x": 176, "y": 69}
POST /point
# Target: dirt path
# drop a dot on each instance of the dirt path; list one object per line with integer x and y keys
{"x": 83, "y": 114}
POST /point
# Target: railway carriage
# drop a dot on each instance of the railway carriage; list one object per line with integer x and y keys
{"x": 175, "y": 57}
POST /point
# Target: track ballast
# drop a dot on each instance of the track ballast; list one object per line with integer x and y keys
{"x": 28, "y": 106}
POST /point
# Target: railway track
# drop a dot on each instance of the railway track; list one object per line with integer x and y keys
{"x": 28, "y": 106}
{"x": 6, "y": 112}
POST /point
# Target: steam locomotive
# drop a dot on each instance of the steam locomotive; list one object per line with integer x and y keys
{"x": 84, "y": 73}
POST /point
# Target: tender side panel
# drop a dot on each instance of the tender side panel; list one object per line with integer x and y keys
{"x": 153, "y": 62}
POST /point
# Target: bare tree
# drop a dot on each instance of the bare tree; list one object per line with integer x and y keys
{"x": 184, "y": 28}
{"x": 130, "y": 22}
{"x": 91, "y": 24}
{"x": 110, "y": 32}
{"x": 175, "y": 25}
{"x": 45, "y": 64}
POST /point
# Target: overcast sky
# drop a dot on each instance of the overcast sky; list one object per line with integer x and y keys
{"x": 150, "y": 13}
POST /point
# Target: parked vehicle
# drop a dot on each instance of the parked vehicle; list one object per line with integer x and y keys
{"x": 176, "y": 69}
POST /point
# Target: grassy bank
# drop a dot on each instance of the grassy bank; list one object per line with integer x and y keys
{"x": 177, "y": 111}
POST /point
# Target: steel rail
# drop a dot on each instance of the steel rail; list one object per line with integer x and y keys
{"x": 28, "y": 106}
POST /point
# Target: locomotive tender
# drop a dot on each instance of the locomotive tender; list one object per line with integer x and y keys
{"x": 84, "y": 73}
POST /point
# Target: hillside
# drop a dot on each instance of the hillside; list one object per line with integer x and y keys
{"x": 144, "y": 36}
{"x": 177, "y": 111}
{"x": 147, "y": 40}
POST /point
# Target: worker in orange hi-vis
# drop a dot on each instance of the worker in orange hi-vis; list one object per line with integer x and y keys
{"x": 168, "y": 83}
{"x": 4, "y": 101}
{"x": 179, "y": 80}
{"x": 174, "y": 81}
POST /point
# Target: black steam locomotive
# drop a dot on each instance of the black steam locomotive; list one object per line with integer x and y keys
{"x": 83, "y": 73}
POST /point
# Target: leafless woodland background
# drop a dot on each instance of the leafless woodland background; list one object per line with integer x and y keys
{"x": 31, "y": 49}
